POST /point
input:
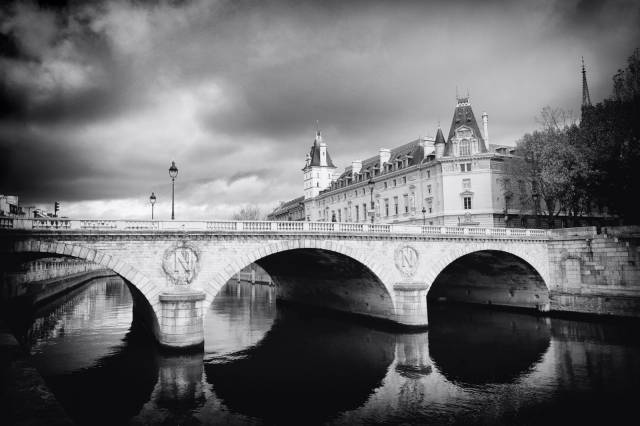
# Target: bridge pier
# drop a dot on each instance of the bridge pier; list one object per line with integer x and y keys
{"x": 411, "y": 303}
{"x": 181, "y": 319}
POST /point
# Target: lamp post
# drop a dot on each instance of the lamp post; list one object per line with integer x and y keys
{"x": 173, "y": 172}
{"x": 507, "y": 199}
{"x": 536, "y": 198}
{"x": 372, "y": 184}
{"x": 424, "y": 217}
{"x": 152, "y": 200}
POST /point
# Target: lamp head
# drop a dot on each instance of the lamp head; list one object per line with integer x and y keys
{"x": 173, "y": 170}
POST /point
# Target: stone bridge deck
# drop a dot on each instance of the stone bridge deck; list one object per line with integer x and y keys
{"x": 385, "y": 271}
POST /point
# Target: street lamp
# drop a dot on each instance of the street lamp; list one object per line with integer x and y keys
{"x": 371, "y": 184}
{"x": 507, "y": 199}
{"x": 536, "y": 198}
{"x": 173, "y": 172}
{"x": 424, "y": 217}
{"x": 152, "y": 200}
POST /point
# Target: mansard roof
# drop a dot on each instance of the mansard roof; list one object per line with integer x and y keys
{"x": 287, "y": 205}
{"x": 314, "y": 154}
{"x": 463, "y": 116}
{"x": 413, "y": 151}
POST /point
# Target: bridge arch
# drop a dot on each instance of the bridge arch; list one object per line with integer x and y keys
{"x": 523, "y": 252}
{"x": 143, "y": 291}
{"x": 380, "y": 279}
{"x": 480, "y": 269}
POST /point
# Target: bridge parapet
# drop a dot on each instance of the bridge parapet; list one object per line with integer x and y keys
{"x": 91, "y": 225}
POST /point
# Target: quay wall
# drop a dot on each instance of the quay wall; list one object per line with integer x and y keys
{"x": 596, "y": 273}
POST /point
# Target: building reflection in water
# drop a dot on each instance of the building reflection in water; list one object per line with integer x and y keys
{"x": 300, "y": 366}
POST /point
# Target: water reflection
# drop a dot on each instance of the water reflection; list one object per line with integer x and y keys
{"x": 263, "y": 365}
{"x": 240, "y": 316}
{"x": 475, "y": 346}
{"x": 307, "y": 368}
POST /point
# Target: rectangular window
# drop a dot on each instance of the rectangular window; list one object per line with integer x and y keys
{"x": 395, "y": 205}
{"x": 507, "y": 184}
{"x": 467, "y": 203}
{"x": 405, "y": 200}
{"x": 404, "y": 180}
{"x": 462, "y": 167}
{"x": 364, "y": 211}
{"x": 466, "y": 183}
{"x": 468, "y": 167}
{"x": 395, "y": 183}
{"x": 428, "y": 174}
{"x": 430, "y": 210}
{"x": 386, "y": 207}
{"x": 386, "y": 185}
{"x": 429, "y": 189}
{"x": 357, "y": 213}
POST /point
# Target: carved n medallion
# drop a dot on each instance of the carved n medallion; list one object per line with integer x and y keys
{"x": 181, "y": 263}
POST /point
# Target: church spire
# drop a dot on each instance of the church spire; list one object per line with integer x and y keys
{"x": 586, "y": 99}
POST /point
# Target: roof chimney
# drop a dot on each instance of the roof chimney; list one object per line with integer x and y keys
{"x": 356, "y": 166}
{"x": 485, "y": 123}
{"x": 385, "y": 155}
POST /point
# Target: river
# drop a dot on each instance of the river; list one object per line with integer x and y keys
{"x": 286, "y": 365}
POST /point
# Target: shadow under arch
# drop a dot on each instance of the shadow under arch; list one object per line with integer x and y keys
{"x": 476, "y": 346}
{"x": 308, "y": 368}
{"x": 14, "y": 254}
{"x": 327, "y": 279}
{"x": 324, "y": 278}
{"x": 491, "y": 277}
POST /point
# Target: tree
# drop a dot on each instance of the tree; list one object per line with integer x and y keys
{"x": 549, "y": 166}
{"x": 249, "y": 212}
{"x": 610, "y": 143}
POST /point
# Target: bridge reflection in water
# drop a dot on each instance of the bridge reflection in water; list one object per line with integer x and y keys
{"x": 263, "y": 365}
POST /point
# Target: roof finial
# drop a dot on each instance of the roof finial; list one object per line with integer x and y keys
{"x": 586, "y": 99}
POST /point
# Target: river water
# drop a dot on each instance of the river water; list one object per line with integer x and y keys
{"x": 263, "y": 365}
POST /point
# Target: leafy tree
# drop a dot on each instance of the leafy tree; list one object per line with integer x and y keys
{"x": 550, "y": 166}
{"x": 572, "y": 168}
{"x": 610, "y": 143}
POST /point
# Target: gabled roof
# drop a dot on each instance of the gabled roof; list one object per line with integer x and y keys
{"x": 463, "y": 116}
{"x": 314, "y": 154}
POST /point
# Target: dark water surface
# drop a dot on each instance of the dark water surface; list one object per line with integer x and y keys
{"x": 264, "y": 365}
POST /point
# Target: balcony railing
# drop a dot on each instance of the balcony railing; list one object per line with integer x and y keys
{"x": 101, "y": 226}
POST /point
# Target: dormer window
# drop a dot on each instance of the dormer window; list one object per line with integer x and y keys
{"x": 465, "y": 147}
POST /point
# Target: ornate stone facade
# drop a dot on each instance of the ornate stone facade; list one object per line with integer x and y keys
{"x": 432, "y": 181}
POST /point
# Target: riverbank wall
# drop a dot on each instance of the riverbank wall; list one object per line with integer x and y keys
{"x": 596, "y": 271}
{"x": 33, "y": 293}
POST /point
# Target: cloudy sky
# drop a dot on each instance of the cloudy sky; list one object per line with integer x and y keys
{"x": 97, "y": 98}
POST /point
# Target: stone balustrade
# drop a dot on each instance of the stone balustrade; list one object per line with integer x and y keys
{"x": 266, "y": 227}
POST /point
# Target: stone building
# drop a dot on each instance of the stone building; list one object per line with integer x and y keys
{"x": 457, "y": 180}
{"x": 289, "y": 210}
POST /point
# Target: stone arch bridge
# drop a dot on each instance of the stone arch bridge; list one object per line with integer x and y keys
{"x": 175, "y": 269}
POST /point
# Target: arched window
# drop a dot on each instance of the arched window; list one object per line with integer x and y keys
{"x": 465, "y": 147}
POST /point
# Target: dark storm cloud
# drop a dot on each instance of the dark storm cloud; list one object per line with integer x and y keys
{"x": 231, "y": 90}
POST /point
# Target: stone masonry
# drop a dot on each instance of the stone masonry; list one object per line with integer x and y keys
{"x": 176, "y": 275}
